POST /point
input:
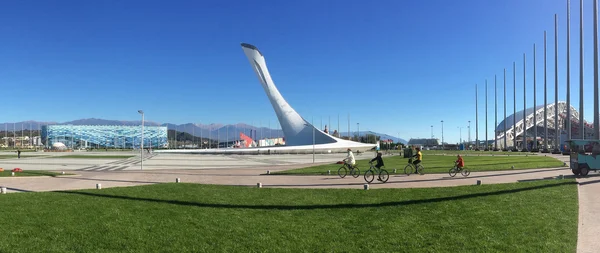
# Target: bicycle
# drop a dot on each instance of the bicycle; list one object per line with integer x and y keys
{"x": 383, "y": 175}
{"x": 343, "y": 171}
{"x": 452, "y": 172}
{"x": 411, "y": 168}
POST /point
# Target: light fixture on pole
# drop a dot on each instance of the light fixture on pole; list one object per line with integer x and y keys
{"x": 142, "y": 143}
{"x": 460, "y": 129}
{"x": 358, "y": 132}
{"x": 469, "y": 127}
{"x": 443, "y": 135}
{"x": 431, "y": 131}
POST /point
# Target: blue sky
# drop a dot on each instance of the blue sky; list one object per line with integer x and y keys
{"x": 396, "y": 67}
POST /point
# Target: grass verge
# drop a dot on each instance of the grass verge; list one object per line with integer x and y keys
{"x": 30, "y": 173}
{"x": 440, "y": 164}
{"x": 536, "y": 216}
{"x": 473, "y": 152}
{"x": 93, "y": 156}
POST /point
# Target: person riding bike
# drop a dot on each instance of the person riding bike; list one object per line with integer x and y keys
{"x": 460, "y": 163}
{"x": 418, "y": 156}
{"x": 350, "y": 159}
{"x": 379, "y": 163}
{"x": 379, "y": 160}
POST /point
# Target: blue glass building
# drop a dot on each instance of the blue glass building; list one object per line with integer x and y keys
{"x": 85, "y": 136}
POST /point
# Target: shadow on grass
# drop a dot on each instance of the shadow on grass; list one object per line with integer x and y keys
{"x": 321, "y": 206}
{"x": 18, "y": 190}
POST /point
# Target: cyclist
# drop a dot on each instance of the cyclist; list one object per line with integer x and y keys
{"x": 460, "y": 163}
{"x": 379, "y": 162}
{"x": 418, "y": 156}
{"x": 350, "y": 159}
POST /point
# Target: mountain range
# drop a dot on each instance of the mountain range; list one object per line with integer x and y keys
{"x": 213, "y": 131}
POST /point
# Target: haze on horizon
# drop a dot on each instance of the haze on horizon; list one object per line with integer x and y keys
{"x": 396, "y": 67}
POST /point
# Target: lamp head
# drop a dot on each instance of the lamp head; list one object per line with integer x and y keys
{"x": 140, "y": 111}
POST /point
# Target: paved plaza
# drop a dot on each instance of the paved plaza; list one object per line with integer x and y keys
{"x": 248, "y": 170}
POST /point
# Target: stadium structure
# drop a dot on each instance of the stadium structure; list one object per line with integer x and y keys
{"x": 527, "y": 126}
{"x": 102, "y": 136}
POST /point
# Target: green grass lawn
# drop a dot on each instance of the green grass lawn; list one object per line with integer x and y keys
{"x": 94, "y": 156}
{"x": 15, "y": 156}
{"x": 473, "y": 152}
{"x": 441, "y": 164}
{"x": 536, "y": 216}
{"x": 28, "y": 173}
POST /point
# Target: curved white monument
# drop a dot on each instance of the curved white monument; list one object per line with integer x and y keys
{"x": 296, "y": 130}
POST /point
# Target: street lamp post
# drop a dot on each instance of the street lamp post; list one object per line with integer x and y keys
{"x": 460, "y": 140}
{"x": 442, "y": 135}
{"x": 358, "y": 131}
{"x": 142, "y": 143}
{"x": 432, "y": 132}
{"x": 470, "y": 132}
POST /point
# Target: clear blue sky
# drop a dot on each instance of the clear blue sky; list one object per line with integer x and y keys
{"x": 397, "y": 67}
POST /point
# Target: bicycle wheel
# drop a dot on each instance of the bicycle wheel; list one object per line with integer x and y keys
{"x": 342, "y": 171}
{"x": 383, "y": 175}
{"x": 369, "y": 176}
{"x": 465, "y": 172}
{"x": 420, "y": 169}
{"x": 452, "y": 172}
{"x": 408, "y": 169}
{"x": 355, "y": 172}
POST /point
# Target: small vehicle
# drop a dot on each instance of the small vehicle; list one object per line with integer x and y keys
{"x": 584, "y": 156}
{"x": 410, "y": 168}
{"x": 343, "y": 171}
{"x": 382, "y": 174}
{"x": 456, "y": 169}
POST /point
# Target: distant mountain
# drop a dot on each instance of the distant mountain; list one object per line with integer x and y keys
{"x": 212, "y": 131}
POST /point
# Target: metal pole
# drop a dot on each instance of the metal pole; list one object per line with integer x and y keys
{"x": 524, "y": 108}
{"x": 349, "y": 127}
{"x": 556, "y": 111}
{"x": 581, "y": 120}
{"x": 476, "y": 121}
{"x": 569, "y": 70}
{"x": 469, "y": 133}
{"x": 495, "y": 114}
{"x": 596, "y": 104}
{"x": 505, "y": 148}
{"x": 358, "y": 131}
{"x": 338, "y": 128}
{"x": 431, "y": 131}
{"x": 514, "y": 106}
{"x": 486, "y": 118}
{"x": 313, "y": 132}
{"x": 545, "y": 150}
{"x": 142, "y": 142}
{"x": 443, "y": 135}
{"x": 535, "y": 133}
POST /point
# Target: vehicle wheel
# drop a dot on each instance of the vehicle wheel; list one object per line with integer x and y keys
{"x": 355, "y": 172}
{"x": 369, "y": 176}
{"x": 465, "y": 172}
{"x": 342, "y": 171}
{"x": 420, "y": 169}
{"x": 408, "y": 169}
{"x": 575, "y": 171}
{"x": 384, "y": 175}
{"x": 452, "y": 172}
{"x": 585, "y": 171}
